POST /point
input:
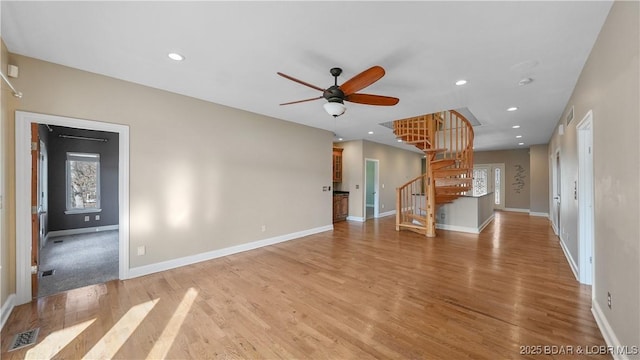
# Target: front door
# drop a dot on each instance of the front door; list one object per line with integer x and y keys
{"x": 35, "y": 221}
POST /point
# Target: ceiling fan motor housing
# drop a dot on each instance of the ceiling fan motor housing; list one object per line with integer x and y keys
{"x": 333, "y": 94}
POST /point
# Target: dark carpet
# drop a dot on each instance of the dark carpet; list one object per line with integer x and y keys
{"x": 78, "y": 260}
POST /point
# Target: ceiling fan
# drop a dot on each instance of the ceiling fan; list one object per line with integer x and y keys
{"x": 336, "y": 95}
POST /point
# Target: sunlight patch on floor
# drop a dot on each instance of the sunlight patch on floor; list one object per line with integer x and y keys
{"x": 171, "y": 330}
{"x": 111, "y": 342}
{"x": 56, "y": 341}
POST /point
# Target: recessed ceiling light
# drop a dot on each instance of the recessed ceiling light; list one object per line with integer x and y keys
{"x": 175, "y": 56}
{"x": 525, "y": 81}
{"x": 516, "y": 126}
{"x": 339, "y": 139}
{"x": 518, "y": 136}
{"x": 513, "y": 108}
{"x": 461, "y": 82}
{"x": 399, "y": 140}
{"x": 520, "y": 143}
{"x": 370, "y": 132}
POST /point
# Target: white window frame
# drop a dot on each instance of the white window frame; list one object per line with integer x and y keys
{"x": 81, "y": 156}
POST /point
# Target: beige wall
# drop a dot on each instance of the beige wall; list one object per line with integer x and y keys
{"x": 352, "y": 175}
{"x": 396, "y": 167}
{"x": 512, "y": 160}
{"x": 609, "y": 86}
{"x": 202, "y": 176}
{"x": 539, "y": 170}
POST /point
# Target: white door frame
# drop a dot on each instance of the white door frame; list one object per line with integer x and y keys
{"x": 585, "y": 199}
{"x": 23, "y": 192}
{"x": 556, "y": 192}
{"x": 376, "y": 188}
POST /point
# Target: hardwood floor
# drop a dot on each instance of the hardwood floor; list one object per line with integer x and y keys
{"x": 361, "y": 291}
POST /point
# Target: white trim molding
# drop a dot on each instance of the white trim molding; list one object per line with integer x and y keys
{"x": 387, "y": 213}
{"x": 6, "y": 309}
{"x": 192, "y": 259}
{"x": 57, "y": 233}
{"x": 607, "y": 332}
{"x": 355, "y": 218}
{"x": 541, "y": 214}
{"x": 23, "y": 122}
{"x": 466, "y": 229}
{"x": 516, "y": 210}
{"x": 567, "y": 254}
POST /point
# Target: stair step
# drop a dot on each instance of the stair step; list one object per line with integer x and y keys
{"x": 452, "y": 189}
{"x": 446, "y": 198}
{"x": 453, "y": 181}
{"x": 435, "y": 151}
{"x": 443, "y": 163}
{"x": 444, "y": 173}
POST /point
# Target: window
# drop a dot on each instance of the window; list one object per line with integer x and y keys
{"x": 480, "y": 181}
{"x": 83, "y": 182}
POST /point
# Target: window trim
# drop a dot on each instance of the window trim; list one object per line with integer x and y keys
{"x": 82, "y": 156}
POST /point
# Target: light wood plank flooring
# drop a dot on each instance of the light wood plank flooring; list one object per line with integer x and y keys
{"x": 361, "y": 291}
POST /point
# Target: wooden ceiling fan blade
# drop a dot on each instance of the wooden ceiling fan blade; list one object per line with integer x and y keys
{"x": 305, "y": 100}
{"x": 362, "y": 80}
{"x": 300, "y": 82}
{"x": 372, "y": 99}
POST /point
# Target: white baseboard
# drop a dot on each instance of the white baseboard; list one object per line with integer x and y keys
{"x": 534, "y": 213}
{"x": 486, "y": 222}
{"x": 466, "y": 229}
{"x": 607, "y": 332}
{"x": 6, "y": 309}
{"x": 57, "y": 233}
{"x": 516, "y": 210}
{"x": 387, "y": 213}
{"x": 355, "y": 218}
{"x": 553, "y": 226}
{"x": 188, "y": 260}
{"x": 567, "y": 254}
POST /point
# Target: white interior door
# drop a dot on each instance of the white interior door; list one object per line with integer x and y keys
{"x": 585, "y": 200}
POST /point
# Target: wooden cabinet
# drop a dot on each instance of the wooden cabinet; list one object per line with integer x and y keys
{"x": 340, "y": 206}
{"x": 337, "y": 165}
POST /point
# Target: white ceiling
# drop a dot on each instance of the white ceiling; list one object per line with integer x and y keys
{"x": 234, "y": 49}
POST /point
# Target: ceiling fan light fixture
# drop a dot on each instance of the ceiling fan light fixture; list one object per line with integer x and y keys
{"x": 335, "y": 108}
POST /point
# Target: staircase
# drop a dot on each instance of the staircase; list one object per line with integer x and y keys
{"x": 447, "y": 141}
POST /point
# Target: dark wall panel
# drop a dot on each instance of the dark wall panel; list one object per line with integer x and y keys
{"x": 58, "y": 148}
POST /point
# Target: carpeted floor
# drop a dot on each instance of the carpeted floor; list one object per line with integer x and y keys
{"x": 78, "y": 260}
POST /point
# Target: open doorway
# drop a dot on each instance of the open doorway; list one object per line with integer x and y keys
{"x": 25, "y": 194}
{"x": 585, "y": 199}
{"x": 371, "y": 189}
{"x": 78, "y": 239}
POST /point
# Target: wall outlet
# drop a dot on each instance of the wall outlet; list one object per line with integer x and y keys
{"x": 264, "y": 228}
{"x": 97, "y": 217}
{"x": 86, "y": 218}
{"x": 357, "y": 187}
{"x": 383, "y": 206}
{"x": 142, "y": 250}
{"x": 609, "y": 299}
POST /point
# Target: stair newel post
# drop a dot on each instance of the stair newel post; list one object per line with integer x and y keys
{"x": 431, "y": 189}
{"x": 398, "y": 208}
